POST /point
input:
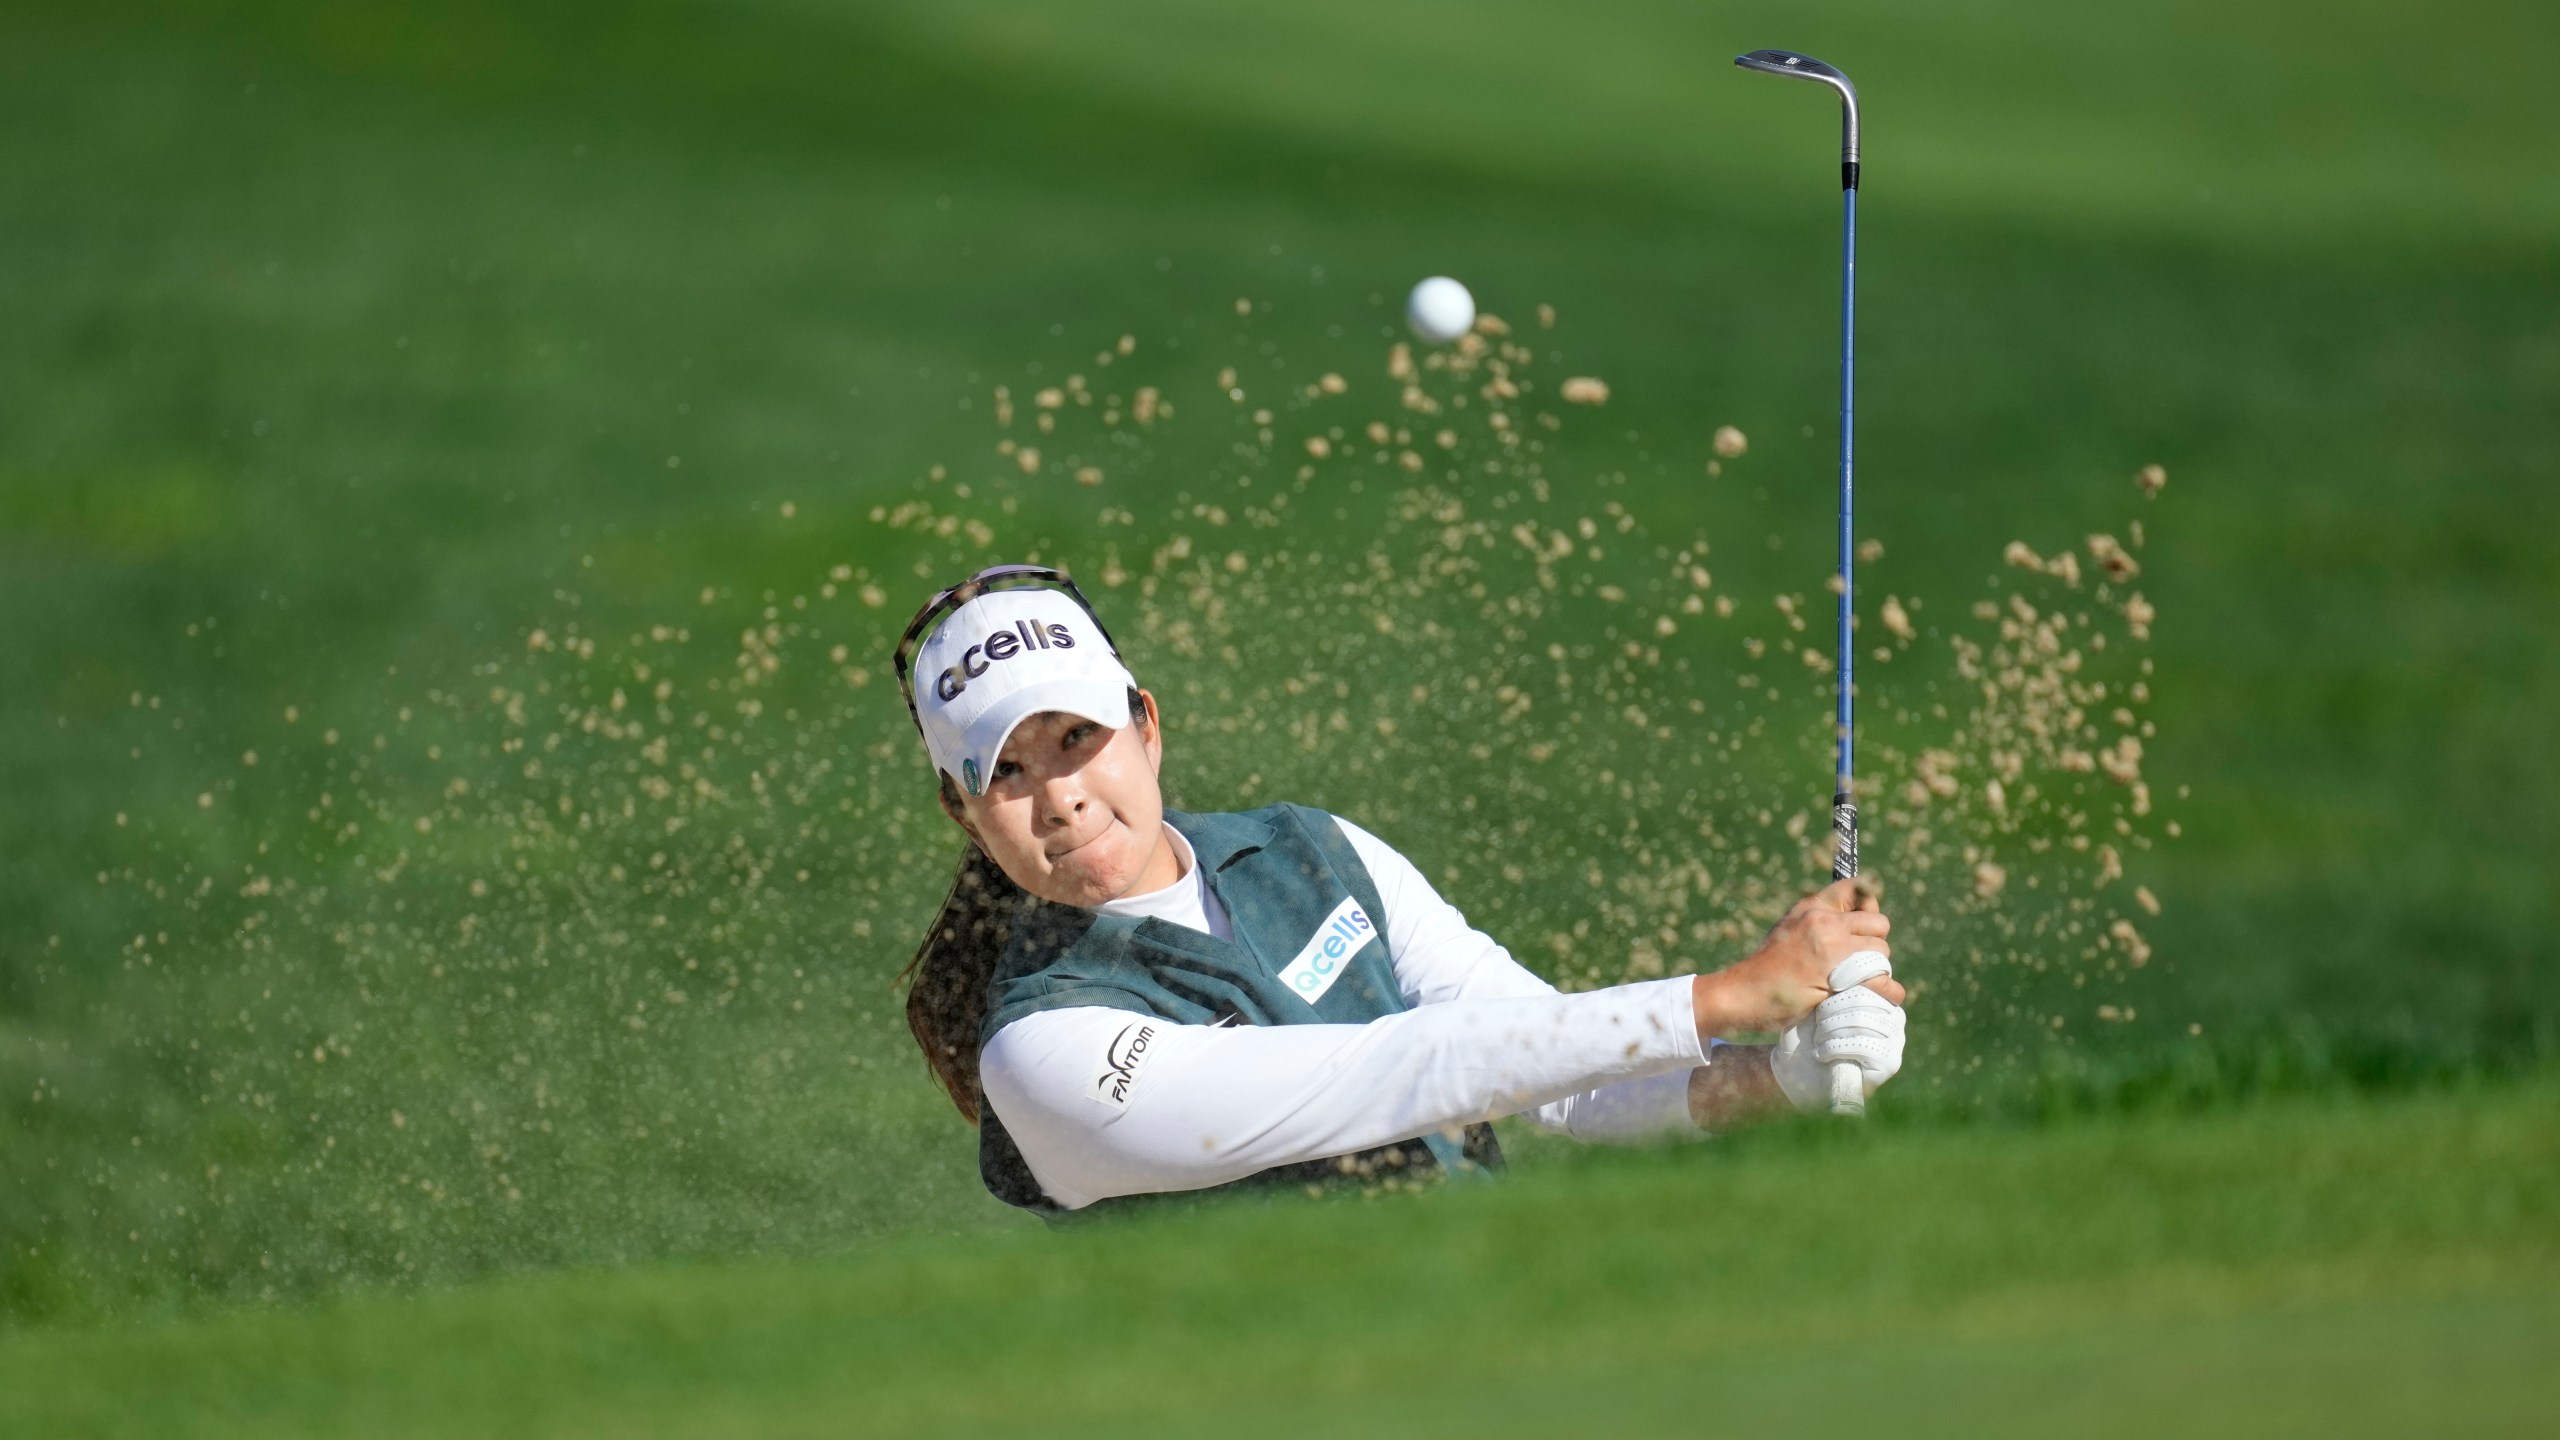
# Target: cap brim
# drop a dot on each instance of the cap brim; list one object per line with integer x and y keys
{"x": 1105, "y": 701}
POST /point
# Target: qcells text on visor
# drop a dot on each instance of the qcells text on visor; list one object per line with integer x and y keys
{"x": 1025, "y": 636}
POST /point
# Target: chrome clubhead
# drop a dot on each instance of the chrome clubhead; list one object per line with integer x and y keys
{"x": 1805, "y": 67}
{"x": 1788, "y": 62}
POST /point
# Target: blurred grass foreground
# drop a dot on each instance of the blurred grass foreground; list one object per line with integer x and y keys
{"x": 461, "y": 466}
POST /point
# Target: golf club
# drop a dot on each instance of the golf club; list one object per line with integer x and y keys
{"x": 1848, "y": 1088}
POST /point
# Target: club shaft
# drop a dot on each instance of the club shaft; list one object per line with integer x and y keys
{"x": 1848, "y": 1084}
{"x": 1844, "y": 808}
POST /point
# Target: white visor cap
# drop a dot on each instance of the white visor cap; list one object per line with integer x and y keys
{"x": 1001, "y": 659}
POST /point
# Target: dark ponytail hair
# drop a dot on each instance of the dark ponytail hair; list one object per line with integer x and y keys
{"x": 947, "y": 992}
{"x": 948, "y": 979}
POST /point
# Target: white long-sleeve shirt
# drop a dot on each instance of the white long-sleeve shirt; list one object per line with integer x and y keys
{"x": 1103, "y": 1101}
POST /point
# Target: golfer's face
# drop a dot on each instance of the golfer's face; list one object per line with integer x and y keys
{"x": 1072, "y": 812}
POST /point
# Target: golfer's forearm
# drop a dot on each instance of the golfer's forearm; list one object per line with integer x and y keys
{"x": 1734, "y": 1088}
{"x": 1736, "y": 1000}
{"x": 1206, "y": 1105}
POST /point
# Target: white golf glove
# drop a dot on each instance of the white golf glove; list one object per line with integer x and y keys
{"x": 1856, "y": 1024}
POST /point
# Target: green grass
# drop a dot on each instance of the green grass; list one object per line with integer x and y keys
{"x": 2317, "y": 1268}
{"x": 347, "y": 343}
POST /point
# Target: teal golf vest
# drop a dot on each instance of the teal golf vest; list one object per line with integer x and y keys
{"x": 1309, "y": 948}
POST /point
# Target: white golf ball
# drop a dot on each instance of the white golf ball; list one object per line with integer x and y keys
{"x": 1440, "y": 310}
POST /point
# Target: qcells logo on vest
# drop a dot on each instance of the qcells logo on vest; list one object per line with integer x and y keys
{"x": 1338, "y": 937}
{"x": 1120, "y": 1061}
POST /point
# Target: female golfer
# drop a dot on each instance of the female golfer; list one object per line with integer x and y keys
{"x": 1131, "y": 1001}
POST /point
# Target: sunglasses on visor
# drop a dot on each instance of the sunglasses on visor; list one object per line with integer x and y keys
{"x": 997, "y": 577}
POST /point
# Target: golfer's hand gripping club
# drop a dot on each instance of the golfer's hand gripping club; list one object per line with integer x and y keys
{"x": 1857, "y": 1033}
